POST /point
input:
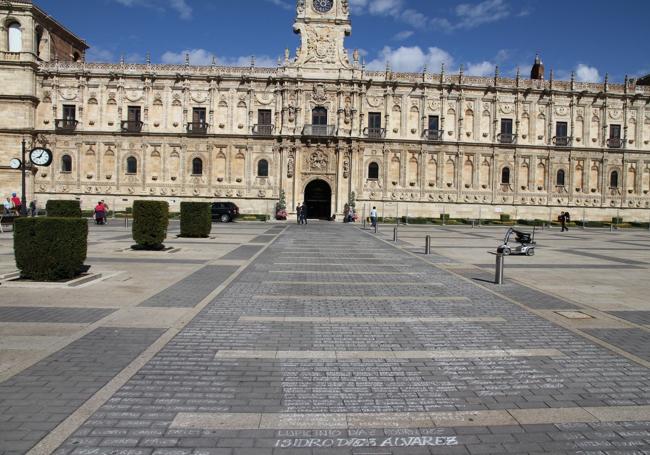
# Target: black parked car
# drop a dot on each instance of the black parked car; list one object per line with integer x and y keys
{"x": 224, "y": 211}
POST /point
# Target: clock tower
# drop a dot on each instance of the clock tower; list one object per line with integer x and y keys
{"x": 323, "y": 26}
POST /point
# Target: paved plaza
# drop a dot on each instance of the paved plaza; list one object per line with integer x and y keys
{"x": 331, "y": 339}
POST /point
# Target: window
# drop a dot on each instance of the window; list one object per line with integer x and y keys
{"x": 373, "y": 171}
{"x": 131, "y": 165}
{"x": 197, "y": 166}
{"x": 39, "y": 40}
{"x": 264, "y": 117}
{"x": 262, "y": 168}
{"x": 614, "y": 131}
{"x": 319, "y": 116}
{"x": 561, "y": 129}
{"x": 66, "y": 163}
{"x": 374, "y": 120}
{"x": 69, "y": 112}
{"x": 134, "y": 114}
{"x": 613, "y": 179}
{"x": 560, "y": 178}
{"x": 505, "y": 176}
{"x": 15, "y": 37}
{"x": 199, "y": 116}
{"x": 506, "y": 126}
{"x": 434, "y": 123}
{"x": 76, "y": 56}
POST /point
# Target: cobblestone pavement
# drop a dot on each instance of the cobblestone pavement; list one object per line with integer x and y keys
{"x": 334, "y": 342}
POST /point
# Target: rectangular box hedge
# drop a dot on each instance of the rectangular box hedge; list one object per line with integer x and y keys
{"x": 196, "y": 219}
{"x": 50, "y": 249}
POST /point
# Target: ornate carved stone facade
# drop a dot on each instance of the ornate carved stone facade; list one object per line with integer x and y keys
{"x": 177, "y": 132}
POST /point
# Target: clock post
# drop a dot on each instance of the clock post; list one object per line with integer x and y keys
{"x": 23, "y": 170}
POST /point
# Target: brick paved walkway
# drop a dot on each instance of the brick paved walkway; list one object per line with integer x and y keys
{"x": 333, "y": 341}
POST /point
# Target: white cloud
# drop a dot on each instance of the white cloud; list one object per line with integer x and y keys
{"x": 99, "y": 54}
{"x": 281, "y": 3}
{"x": 585, "y": 73}
{"x": 183, "y": 9}
{"x": 405, "y": 34}
{"x": 468, "y": 16}
{"x": 484, "y": 68}
{"x": 202, "y": 57}
{"x": 411, "y": 59}
{"x": 384, "y": 7}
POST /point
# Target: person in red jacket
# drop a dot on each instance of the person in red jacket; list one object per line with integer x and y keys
{"x": 17, "y": 203}
{"x": 100, "y": 213}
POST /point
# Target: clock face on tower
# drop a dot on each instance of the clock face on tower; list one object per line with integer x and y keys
{"x": 323, "y": 6}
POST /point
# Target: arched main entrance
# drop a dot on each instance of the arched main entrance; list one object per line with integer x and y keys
{"x": 318, "y": 199}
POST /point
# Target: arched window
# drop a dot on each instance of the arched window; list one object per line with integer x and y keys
{"x": 373, "y": 171}
{"x": 131, "y": 165}
{"x": 66, "y": 163}
{"x": 613, "y": 179}
{"x": 262, "y": 168}
{"x": 319, "y": 116}
{"x": 559, "y": 179}
{"x": 505, "y": 176}
{"x": 197, "y": 166}
{"x": 14, "y": 37}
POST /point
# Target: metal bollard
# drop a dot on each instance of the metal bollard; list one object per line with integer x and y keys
{"x": 126, "y": 222}
{"x": 364, "y": 223}
{"x": 395, "y": 234}
{"x": 473, "y": 224}
{"x": 498, "y": 273}
{"x": 427, "y": 245}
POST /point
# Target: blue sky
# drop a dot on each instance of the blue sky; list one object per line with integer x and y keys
{"x": 590, "y": 37}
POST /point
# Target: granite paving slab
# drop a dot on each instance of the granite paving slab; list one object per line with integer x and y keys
{"x": 53, "y": 315}
{"x": 188, "y": 292}
{"x": 36, "y": 400}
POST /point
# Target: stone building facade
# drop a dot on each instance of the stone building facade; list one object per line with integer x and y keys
{"x": 319, "y": 127}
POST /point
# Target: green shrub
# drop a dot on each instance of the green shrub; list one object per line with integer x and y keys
{"x": 50, "y": 249}
{"x": 63, "y": 209}
{"x": 196, "y": 219}
{"x": 617, "y": 220}
{"x": 504, "y": 217}
{"x": 444, "y": 216}
{"x": 150, "y": 221}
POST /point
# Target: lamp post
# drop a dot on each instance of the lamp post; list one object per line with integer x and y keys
{"x": 23, "y": 171}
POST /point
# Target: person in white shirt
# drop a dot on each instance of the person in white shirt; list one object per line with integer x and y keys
{"x": 373, "y": 216}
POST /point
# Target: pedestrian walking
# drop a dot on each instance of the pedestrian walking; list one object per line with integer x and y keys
{"x": 298, "y": 213}
{"x": 32, "y": 209}
{"x": 373, "y": 217}
{"x": 303, "y": 214}
{"x": 563, "y": 220}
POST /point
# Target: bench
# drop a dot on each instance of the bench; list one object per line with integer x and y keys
{"x": 7, "y": 220}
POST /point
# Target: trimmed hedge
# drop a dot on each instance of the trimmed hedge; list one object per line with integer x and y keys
{"x": 63, "y": 209}
{"x": 150, "y": 221}
{"x": 196, "y": 219}
{"x": 50, "y": 249}
{"x": 504, "y": 217}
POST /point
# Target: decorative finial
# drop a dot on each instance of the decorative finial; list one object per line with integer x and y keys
{"x": 252, "y": 61}
{"x": 496, "y": 71}
{"x": 355, "y": 56}
{"x": 122, "y": 59}
{"x": 214, "y": 60}
{"x": 518, "y": 74}
{"x": 442, "y": 68}
{"x": 573, "y": 76}
{"x": 287, "y": 55}
{"x": 187, "y": 59}
{"x": 148, "y": 58}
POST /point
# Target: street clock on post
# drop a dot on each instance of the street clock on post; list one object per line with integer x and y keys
{"x": 41, "y": 156}
{"x": 15, "y": 163}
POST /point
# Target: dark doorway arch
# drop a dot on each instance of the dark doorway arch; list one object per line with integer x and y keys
{"x": 318, "y": 200}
